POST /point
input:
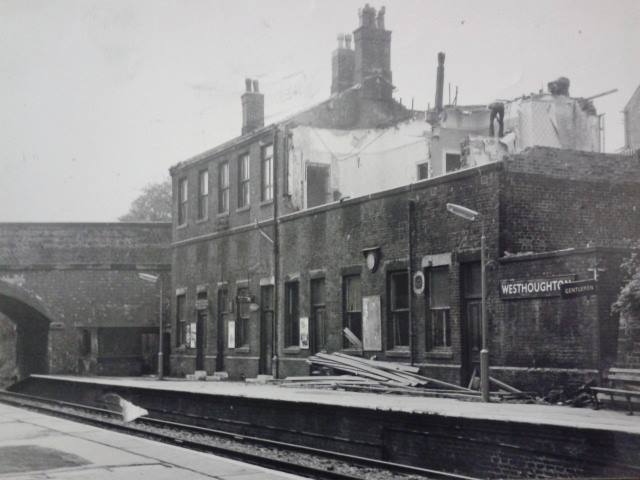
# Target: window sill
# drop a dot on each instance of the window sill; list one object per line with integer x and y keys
{"x": 243, "y": 349}
{"x": 222, "y": 214}
{"x": 398, "y": 353}
{"x": 444, "y": 353}
{"x": 246, "y": 208}
{"x": 291, "y": 350}
{"x": 266, "y": 203}
{"x": 181, "y": 226}
{"x": 202, "y": 220}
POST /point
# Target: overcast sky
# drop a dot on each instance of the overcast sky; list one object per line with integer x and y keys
{"x": 100, "y": 97}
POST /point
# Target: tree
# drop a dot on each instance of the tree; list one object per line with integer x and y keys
{"x": 628, "y": 302}
{"x": 153, "y": 205}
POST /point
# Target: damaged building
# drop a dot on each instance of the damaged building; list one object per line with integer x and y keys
{"x": 293, "y": 232}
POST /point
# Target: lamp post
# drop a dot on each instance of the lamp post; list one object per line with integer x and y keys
{"x": 472, "y": 215}
{"x": 157, "y": 279}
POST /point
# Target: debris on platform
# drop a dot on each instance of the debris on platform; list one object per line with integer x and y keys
{"x": 127, "y": 409}
{"x": 361, "y": 374}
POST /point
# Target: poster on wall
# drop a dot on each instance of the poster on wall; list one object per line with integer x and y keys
{"x": 231, "y": 334}
{"x": 191, "y": 335}
{"x": 304, "y": 332}
{"x": 371, "y": 323}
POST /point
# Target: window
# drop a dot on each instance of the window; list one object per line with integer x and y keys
{"x": 203, "y": 194}
{"x": 223, "y": 187}
{"x": 423, "y": 171}
{"x": 398, "y": 310}
{"x": 452, "y": 162}
{"x": 182, "y": 201}
{"x": 352, "y": 306}
{"x": 318, "y": 314}
{"x": 242, "y": 320}
{"x": 243, "y": 180}
{"x": 181, "y": 320}
{"x": 85, "y": 343}
{"x": 439, "y": 330}
{"x": 291, "y": 314}
{"x": 267, "y": 173}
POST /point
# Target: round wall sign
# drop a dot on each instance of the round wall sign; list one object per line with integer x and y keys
{"x": 418, "y": 283}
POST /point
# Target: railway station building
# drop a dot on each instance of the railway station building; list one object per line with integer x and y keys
{"x": 328, "y": 231}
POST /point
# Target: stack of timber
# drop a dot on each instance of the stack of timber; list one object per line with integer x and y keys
{"x": 366, "y": 375}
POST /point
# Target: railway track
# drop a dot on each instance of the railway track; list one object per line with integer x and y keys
{"x": 199, "y": 438}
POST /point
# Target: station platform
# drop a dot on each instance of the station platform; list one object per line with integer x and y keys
{"x": 551, "y": 415}
{"x": 36, "y": 446}
{"x": 487, "y": 440}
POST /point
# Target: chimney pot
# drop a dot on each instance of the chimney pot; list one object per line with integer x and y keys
{"x": 256, "y": 88}
{"x": 439, "y": 82}
{"x": 247, "y": 84}
{"x": 340, "y": 40}
{"x": 347, "y": 40}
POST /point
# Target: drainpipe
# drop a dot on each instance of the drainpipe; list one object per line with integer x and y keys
{"x": 410, "y": 215}
{"x": 275, "y": 364}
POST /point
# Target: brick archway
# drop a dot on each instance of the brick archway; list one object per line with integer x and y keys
{"x": 32, "y": 321}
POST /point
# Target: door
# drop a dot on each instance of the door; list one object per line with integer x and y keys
{"x": 266, "y": 329}
{"x": 201, "y": 321}
{"x": 472, "y": 320}
{"x": 317, "y": 328}
{"x": 220, "y": 337}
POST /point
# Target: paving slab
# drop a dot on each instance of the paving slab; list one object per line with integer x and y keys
{"x": 34, "y": 446}
{"x": 512, "y": 412}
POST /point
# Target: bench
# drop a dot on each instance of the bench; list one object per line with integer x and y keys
{"x": 623, "y": 382}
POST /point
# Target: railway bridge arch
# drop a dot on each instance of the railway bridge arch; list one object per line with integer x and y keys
{"x": 71, "y": 300}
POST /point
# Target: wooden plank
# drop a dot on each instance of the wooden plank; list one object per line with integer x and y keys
{"x": 347, "y": 359}
{"x": 400, "y": 367}
{"x": 503, "y": 385}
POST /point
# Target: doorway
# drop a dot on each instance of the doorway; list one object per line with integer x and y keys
{"x": 222, "y": 309}
{"x": 317, "y": 329}
{"x": 266, "y": 329}
{"x": 472, "y": 319}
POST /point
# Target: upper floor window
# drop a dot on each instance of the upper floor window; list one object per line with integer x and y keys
{"x": 267, "y": 173}
{"x": 182, "y": 201}
{"x": 423, "y": 171}
{"x": 223, "y": 187}
{"x": 398, "y": 309}
{"x": 243, "y": 180}
{"x": 439, "y": 321}
{"x": 203, "y": 194}
{"x": 352, "y": 306}
{"x": 452, "y": 162}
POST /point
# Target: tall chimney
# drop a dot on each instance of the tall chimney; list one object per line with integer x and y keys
{"x": 343, "y": 62}
{"x": 252, "y": 107}
{"x": 373, "y": 54}
{"x": 440, "y": 82}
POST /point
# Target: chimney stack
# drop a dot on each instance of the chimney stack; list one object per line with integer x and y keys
{"x": 373, "y": 54}
{"x": 343, "y": 63}
{"x": 440, "y": 82}
{"x": 252, "y": 107}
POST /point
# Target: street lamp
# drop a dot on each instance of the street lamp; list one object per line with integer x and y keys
{"x": 157, "y": 279}
{"x": 472, "y": 215}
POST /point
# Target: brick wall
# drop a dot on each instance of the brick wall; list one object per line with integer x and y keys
{"x": 61, "y": 279}
{"x": 540, "y": 201}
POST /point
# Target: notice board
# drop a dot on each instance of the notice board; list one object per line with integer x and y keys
{"x": 371, "y": 323}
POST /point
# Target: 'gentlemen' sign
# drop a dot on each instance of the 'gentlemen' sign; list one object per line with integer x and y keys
{"x": 534, "y": 287}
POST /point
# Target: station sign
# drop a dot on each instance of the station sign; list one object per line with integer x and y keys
{"x": 582, "y": 288}
{"x": 512, "y": 289}
{"x": 202, "y": 304}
